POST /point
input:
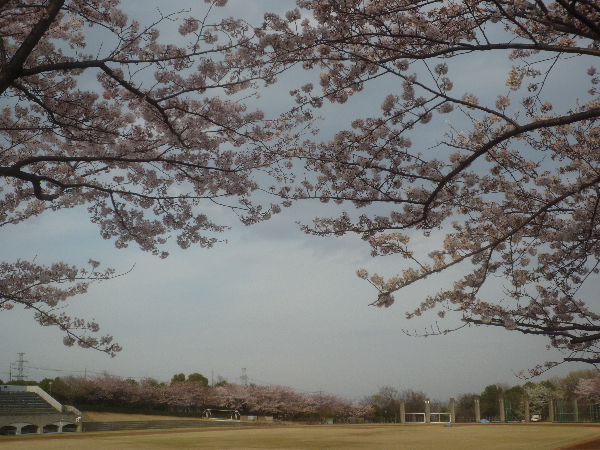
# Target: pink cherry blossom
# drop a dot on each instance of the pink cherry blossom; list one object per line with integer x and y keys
{"x": 511, "y": 194}
{"x": 146, "y": 134}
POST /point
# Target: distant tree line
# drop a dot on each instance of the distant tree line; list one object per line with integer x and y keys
{"x": 538, "y": 394}
{"x": 194, "y": 395}
{"x": 583, "y": 384}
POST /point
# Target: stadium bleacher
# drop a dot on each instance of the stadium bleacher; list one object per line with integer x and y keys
{"x": 12, "y": 403}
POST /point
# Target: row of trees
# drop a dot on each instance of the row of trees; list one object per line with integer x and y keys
{"x": 146, "y": 134}
{"x": 583, "y": 384}
{"x": 577, "y": 384}
{"x": 386, "y": 403}
{"x": 195, "y": 395}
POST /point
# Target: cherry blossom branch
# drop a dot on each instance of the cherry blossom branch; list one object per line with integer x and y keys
{"x": 12, "y": 70}
{"x": 34, "y": 287}
{"x": 539, "y": 124}
{"x": 520, "y": 196}
{"x": 574, "y": 12}
{"x": 143, "y": 151}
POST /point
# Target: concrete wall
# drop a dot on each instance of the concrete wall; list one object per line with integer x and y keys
{"x": 60, "y": 420}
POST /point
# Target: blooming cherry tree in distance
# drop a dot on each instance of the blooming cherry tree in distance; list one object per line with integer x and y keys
{"x": 280, "y": 401}
{"x": 98, "y": 112}
{"x": 589, "y": 388}
{"x": 506, "y": 191}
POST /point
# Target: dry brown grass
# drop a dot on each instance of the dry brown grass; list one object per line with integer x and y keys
{"x": 355, "y": 437}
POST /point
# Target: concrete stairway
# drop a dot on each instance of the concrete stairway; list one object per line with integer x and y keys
{"x": 12, "y": 403}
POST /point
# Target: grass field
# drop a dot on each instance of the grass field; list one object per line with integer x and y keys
{"x": 90, "y": 416}
{"x": 371, "y": 437}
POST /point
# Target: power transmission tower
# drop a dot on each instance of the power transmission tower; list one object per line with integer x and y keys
{"x": 19, "y": 367}
{"x": 244, "y": 377}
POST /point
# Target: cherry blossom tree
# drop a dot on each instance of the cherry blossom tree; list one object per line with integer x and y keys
{"x": 192, "y": 396}
{"x": 358, "y": 410}
{"x": 113, "y": 391}
{"x": 568, "y": 384}
{"x": 506, "y": 192}
{"x": 589, "y": 388}
{"x": 187, "y": 395}
{"x": 41, "y": 288}
{"x": 148, "y": 394}
{"x": 324, "y": 405}
{"x": 272, "y": 400}
{"x": 231, "y": 396}
{"x": 72, "y": 389}
{"x": 539, "y": 395}
{"x": 98, "y": 112}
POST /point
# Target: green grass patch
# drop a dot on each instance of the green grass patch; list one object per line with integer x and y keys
{"x": 91, "y": 416}
{"x": 137, "y": 411}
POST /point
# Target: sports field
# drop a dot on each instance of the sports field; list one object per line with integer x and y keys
{"x": 91, "y": 416}
{"x": 371, "y": 437}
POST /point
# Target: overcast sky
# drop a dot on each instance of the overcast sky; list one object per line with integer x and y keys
{"x": 285, "y": 306}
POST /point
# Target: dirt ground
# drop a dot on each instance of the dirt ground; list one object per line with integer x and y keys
{"x": 594, "y": 444}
